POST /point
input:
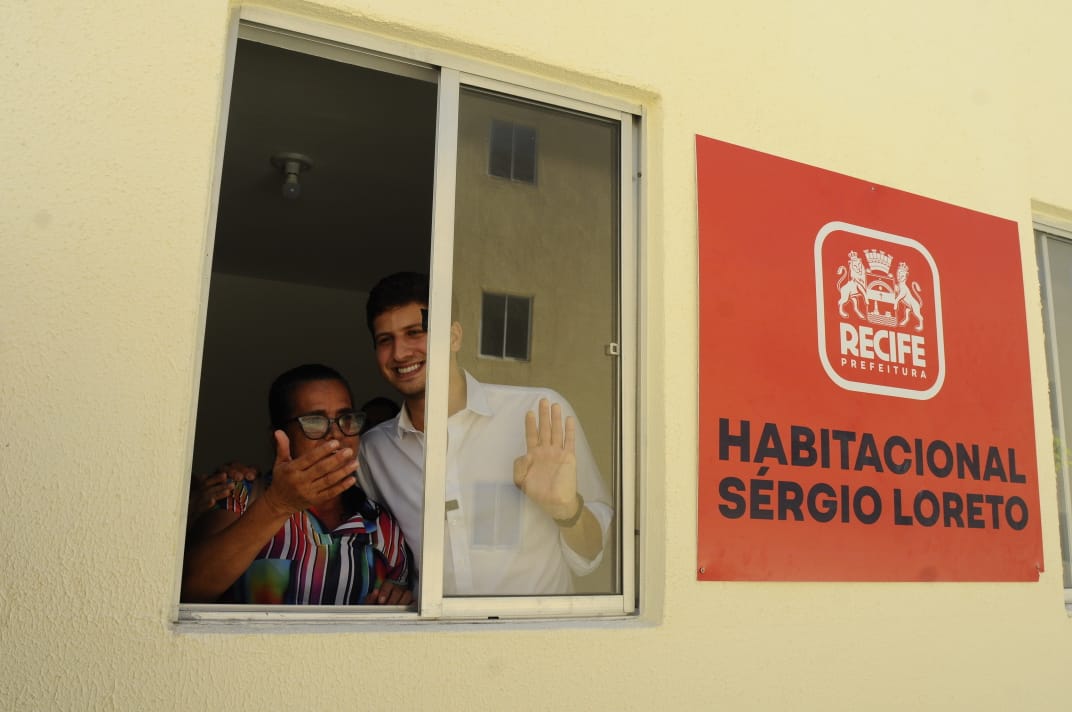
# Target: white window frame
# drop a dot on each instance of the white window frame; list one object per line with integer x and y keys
{"x": 454, "y": 72}
{"x": 1046, "y": 229}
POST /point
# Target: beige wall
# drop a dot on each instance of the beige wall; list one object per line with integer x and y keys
{"x": 110, "y": 143}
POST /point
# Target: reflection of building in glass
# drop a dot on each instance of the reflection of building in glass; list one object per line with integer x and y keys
{"x": 505, "y": 321}
{"x": 555, "y": 239}
{"x": 512, "y": 151}
{"x": 1055, "y": 262}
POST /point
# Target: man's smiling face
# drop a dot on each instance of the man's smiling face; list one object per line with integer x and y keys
{"x": 401, "y": 348}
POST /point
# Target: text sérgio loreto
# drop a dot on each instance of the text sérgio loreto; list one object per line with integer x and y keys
{"x": 759, "y": 496}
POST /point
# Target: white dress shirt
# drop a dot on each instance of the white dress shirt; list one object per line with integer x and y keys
{"x": 497, "y": 541}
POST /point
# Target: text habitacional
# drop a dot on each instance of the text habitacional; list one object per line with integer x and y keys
{"x": 802, "y": 446}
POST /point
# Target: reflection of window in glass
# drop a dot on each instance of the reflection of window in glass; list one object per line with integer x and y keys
{"x": 504, "y": 326}
{"x": 565, "y": 253}
{"x": 310, "y": 261}
{"x": 513, "y": 151}
{"x": 1055, "y": 276}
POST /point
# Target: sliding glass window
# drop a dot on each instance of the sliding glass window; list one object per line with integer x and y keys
{"x": 510, "y": 467}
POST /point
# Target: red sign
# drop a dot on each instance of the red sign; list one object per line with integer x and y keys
{"x": 865, "y": 395}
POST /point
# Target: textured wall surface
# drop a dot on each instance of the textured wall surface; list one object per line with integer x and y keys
{"x": 109, "y": 140}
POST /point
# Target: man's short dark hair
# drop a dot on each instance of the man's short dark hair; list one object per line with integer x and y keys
{"x": 281, "y": 393}
{"x": 393, "y": 291}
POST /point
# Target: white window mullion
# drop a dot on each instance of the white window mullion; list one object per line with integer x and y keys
{"x": 442, "y": 266}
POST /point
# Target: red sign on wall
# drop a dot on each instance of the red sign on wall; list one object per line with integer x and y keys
{"x": 865, "y": 395}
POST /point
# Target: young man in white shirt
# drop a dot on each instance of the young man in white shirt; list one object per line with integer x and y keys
{"x": 527, "y": 509}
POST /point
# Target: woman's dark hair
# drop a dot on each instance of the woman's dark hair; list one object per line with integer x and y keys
{"x": 280, "y": 395}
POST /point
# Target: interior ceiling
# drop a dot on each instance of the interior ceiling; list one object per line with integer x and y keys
{"x": 365, "y": 206}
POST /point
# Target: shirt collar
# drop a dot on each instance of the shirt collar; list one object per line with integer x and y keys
{"x": 476, "y": 396}
{"x": 476, "y": 400}
{"x": 403, "y": 424}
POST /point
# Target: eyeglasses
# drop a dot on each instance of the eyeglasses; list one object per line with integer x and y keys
{"x": 316, "y": 427}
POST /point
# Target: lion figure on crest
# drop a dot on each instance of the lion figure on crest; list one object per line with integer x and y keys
{"x": 852, "y": 285}
{"x": 912, "y": 300}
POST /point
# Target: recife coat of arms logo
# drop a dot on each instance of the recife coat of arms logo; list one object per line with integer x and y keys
{"x": 878, "y": 312}
{"x": 882, "y": 294}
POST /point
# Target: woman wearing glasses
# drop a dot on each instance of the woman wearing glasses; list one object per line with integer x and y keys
{"x": 307, "y": 534}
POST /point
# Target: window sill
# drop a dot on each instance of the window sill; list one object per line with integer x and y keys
{"x": 236, "y": 619}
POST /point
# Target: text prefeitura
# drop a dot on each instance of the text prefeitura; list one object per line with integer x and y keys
{"x": 763, "y": 498}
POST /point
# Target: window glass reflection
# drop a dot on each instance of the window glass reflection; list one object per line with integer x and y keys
{"x": 531, "y": 504}
{"x": 1060, "y": 313}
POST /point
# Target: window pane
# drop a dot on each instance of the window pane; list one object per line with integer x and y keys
{"x": 502, "y": 149}
{"x": 524, "y": 154}
{"x": 517, "y": 330}
{"x": 290, "y": 276}
{"x": 559, "y": 243}
{"x": 493, "y": 325}
{"x": 1059, "y": 313}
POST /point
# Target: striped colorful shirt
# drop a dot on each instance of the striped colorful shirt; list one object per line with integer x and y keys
{"x": 303, "y": 563}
